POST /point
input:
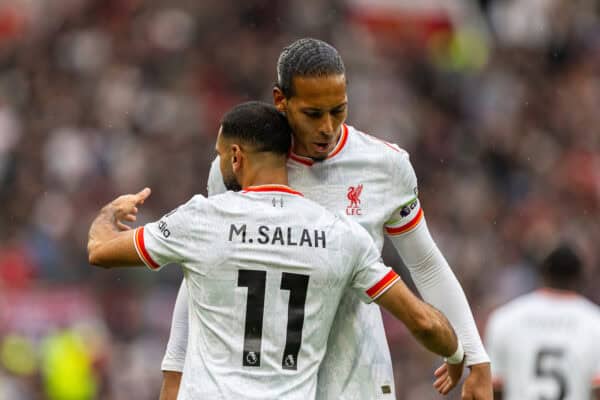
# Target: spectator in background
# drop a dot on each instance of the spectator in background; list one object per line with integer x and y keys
{"x": 545, "y": 344}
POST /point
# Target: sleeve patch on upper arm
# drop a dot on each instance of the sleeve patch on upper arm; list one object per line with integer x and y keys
{"x": 405, "y": 218}
{"x": 140, "y": 247}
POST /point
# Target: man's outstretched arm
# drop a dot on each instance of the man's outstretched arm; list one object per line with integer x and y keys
{"x": 110, "y": 240}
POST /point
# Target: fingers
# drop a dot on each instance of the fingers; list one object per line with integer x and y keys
{"x": 447, "y": 378}
{"x": 441, "y": 370}
{"x": 125, "y": 206}
{"x": 122, "y": 227}
{"x": 439, "y": 382}
{"x": 444, "y": 385}
{"x": 130, "y": 217}
{"x": 142, "y": 195}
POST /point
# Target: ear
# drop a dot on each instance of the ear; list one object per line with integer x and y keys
{"x": 236, "y": 157}
{"x": 279, "y": 99}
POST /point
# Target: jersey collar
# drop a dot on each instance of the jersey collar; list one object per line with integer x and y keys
{"x": 338, "y": 147}
{"x": 272, "y": 188}
{"x": 557, "y": 293}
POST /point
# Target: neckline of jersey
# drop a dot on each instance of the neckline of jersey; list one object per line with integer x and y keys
{"x": 336, "y": 150}
{"x": 558, "y": 293}
{"x": 272, "y": 188}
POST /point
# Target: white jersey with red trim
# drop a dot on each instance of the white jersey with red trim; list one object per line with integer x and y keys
{"x": 373, "y": 183}
{"x": 265, "y": 271}
{"x": 544, "y": 345}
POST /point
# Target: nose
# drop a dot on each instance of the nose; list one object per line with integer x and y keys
{"x": 327, "y": 125}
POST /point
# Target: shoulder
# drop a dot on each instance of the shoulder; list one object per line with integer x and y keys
{"x": 314, "y": 211}
{"x": 367, "y": 140}
{"x": 197, "y": 201}
{"x": 351, "y": 231}
{"x": 389, "y": 155}
{"x": 591, "y": 311}
{"x": 512, "y": 309}
{"x": 201, "y": 204}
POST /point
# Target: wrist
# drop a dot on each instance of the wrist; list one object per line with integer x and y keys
{"x": 458, "y": 356}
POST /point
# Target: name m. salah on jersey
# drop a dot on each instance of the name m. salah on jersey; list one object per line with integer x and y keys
{"x": 279, "y": 235}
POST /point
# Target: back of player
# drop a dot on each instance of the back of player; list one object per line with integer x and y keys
{"x": 265, "y": 269}
{"x": 544, "y": 345}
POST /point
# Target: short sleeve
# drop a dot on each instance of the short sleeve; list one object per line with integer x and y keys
{"x": 494, "y": 346}
{"x": 370, "y": 277}
{"x": 215, "y": 179}
{"x": 404, "y": 192}
{"x": 168, "y": 240}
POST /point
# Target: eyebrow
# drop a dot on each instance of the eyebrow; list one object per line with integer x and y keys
{"x": 316, "y": 109}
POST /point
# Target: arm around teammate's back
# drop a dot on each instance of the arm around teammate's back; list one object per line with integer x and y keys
{"x": 428, "y": 325}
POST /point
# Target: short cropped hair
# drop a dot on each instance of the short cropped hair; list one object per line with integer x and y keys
{"x": 260, "y": 125}
{"x": 562, "y": 266}
{"x": 308, "y": 58}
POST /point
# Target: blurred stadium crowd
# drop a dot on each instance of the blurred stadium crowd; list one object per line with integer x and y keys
{"x": 496, "y": 101}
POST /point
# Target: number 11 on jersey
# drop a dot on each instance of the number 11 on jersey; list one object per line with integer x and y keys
{"x": 255, "y": 281}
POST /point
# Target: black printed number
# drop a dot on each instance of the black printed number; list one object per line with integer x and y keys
{"x": 543, "y": 370}
{"x": 255, "y": 281}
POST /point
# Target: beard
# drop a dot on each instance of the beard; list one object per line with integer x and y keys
{"x": 231, "y": 183}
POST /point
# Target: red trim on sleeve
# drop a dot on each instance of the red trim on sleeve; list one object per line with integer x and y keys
{"x": 380, "y": 287}
{"x": 140, "y": 245}
{"x": 406, "y": 227}
{"x": 596, "y": 381}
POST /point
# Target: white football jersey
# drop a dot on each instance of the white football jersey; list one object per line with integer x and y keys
{"x": 265, "y": 271}
{"x": 544, "y": 345}
{"x": 374, "y": 184}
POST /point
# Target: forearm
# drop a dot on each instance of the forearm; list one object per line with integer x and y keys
{"x": 170, "y": 385}
{"x": 429, "y": 326}
{"x": 110, "y": 241}
{"x": 103, "y": 229}
{"x": 438, "y": 338}
{"x": 438, "y": 286}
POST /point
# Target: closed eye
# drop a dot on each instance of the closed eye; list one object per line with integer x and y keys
{"x": 313, "y": 114}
